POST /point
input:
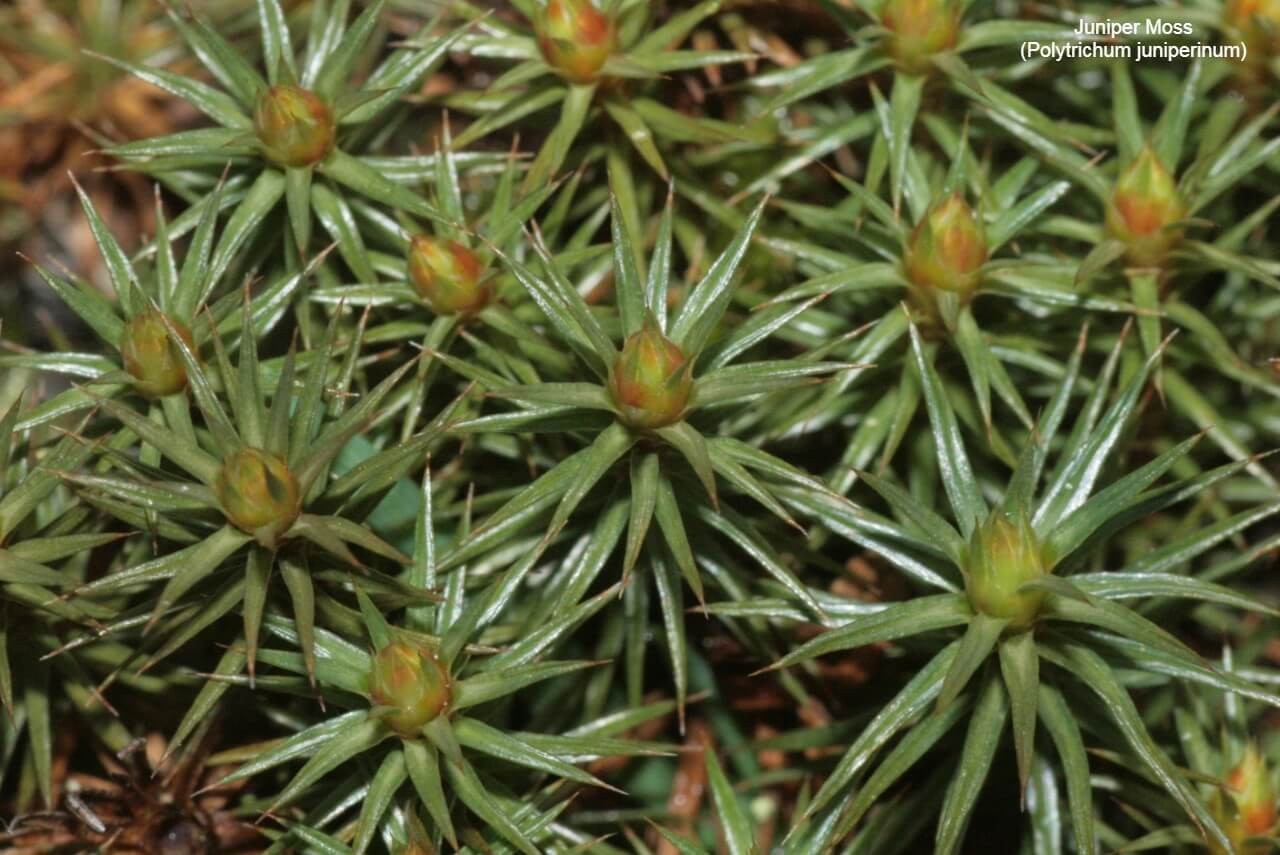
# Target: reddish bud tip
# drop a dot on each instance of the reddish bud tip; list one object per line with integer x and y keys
{"x": 447, "y": 276}
{"x": 947, "y": 249}
{"x": 411, "y": 685}
{"x": 1005, "y": 554}
{"x": 651, "y": 380}
{"x": 295, "y": 127}
{"x": 1255, "y": 797}
{"x": 152, "y": 357}
{"x": 258, "y": 494}
{"x": 919, "y": 29}
{"x": 575, "y": 38}
{"x": 1258, "y": 22}
{"x": 1144, "y": 204}
{"x": 1245, "y": 807}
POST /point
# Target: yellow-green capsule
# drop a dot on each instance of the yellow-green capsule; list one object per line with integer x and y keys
{"x": 1254, "y": 794}
{"x": 1258, "y": 22}
{"x": 294, "y": 125}
{"x": 651, "y": 381}
{"x": 1143, "y": 206}
{"x": 258, "y": 494}
{"x": 576, "y": 38}
{"x": 947, "y": 249}
{"x": 151, "y": 356}
{"x": 1004, "y": 554}
{"x": 1245, "y": 806}
{"x": 447, "y": 276}
{"x": 410, "y": 686}
{"x": 919, "y": 30}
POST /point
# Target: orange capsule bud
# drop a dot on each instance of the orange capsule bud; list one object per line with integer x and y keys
{"x": 576, "y": 38}
{"x": 1254, "y": 794}
{"x": 651, "y": 380}
{"x": 919, "y": 29}
{"x": 295, "y": 127}
{"x": 410, "y": 685}
{"x": 1258, "y": 22}
{"x": 152, "y": 357}
{"x": 447, "y": 276}
{"x": 258, "y": 494}
{"x": 1005, "y": 554}
{"x": 947, "y": 249}
{"x": 1144, "y": 204}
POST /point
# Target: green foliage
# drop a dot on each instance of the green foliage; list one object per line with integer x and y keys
{"x": 693, "y": 427}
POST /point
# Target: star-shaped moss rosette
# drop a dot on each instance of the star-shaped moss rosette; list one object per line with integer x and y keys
{"x": 242, "y": 490}
{"x": 1012, "y": 576}
{"x": 1226, "y": 747}
{"x": 150, "y": 297}
{"x": 644, "y": 407}
{"x": 298, "y": 136}
{"x": 594, "y": 63}
{"x": 1246, "y": 804}
{"x": 1166, "y": 187}
{"x": 862, "y": 251}
{"x": 921, "y": 40}
{"x": 425, "y": 703}
{"x": 449, "y": 271}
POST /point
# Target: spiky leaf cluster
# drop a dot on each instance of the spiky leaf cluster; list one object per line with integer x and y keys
{"x": 611, "y": 426}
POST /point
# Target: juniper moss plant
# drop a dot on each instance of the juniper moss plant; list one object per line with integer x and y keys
{"x": 421, "y": 687}
{"x": 589, "y": 60}
{"x": 293, "y": 133}
{"x": 243, "y": 487}
{"x": 1018, "y": 603}
{"x": 940, "y": 265}
{"x": 642, "y": 402}
{"x": 152, "y": 303}
{"x": 1222, "y": 744}
{"x": 1155, "y": 226}
{"x": 606, "y": 426}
